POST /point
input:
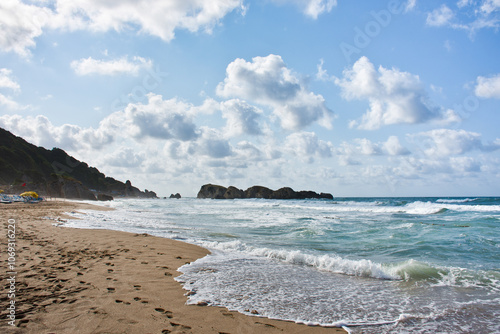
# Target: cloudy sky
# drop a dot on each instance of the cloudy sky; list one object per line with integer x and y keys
{"x": 356, "y": 98}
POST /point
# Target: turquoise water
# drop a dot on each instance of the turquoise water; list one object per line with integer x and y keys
{"x": 374, "y": 265}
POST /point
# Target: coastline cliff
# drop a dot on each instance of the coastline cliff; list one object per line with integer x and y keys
{"x": 54, "y": 173}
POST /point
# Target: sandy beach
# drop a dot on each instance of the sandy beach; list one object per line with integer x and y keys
{"x": 64, "y": 280}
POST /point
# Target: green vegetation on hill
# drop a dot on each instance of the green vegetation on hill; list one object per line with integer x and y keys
{"x": 55, "y": 173}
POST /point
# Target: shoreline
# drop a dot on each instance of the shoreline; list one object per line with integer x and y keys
{"x": 102, "y": 281}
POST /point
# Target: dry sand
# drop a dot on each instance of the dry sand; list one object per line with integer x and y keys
{"x": 100, "y": 281}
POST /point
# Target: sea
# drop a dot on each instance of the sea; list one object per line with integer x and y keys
{"x": 369, "y": 265}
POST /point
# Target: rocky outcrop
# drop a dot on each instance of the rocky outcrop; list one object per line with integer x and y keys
{"x": 54, "y": 173}
{"x": 212, "y": 191}
{"x": 104, "y": 197}
{"x": 175, "y": 196}
{"x": 67, "y": 188}
{"x": 233, "y": 192}
{"x": 219, "y": 192}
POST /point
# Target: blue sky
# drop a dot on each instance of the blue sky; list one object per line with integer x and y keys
{"x": 355, "y": 98}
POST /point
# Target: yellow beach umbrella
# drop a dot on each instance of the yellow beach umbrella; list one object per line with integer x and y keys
{"x": 29, "y": 194}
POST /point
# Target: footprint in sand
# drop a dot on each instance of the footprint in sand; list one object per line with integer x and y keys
{"x": 173, "y": 324}
{"x": 111, "y": 290}
{"x": 167, "y": 313}
{"x": 119, "y": 301}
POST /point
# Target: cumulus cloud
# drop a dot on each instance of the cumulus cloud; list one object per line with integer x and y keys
{"x": 393, "y": 147}
{"x": 40, "y": 131}
{"x": 364, "y": 146}
{"x": 267, "y": 81}
{"x": 88, "y": 66}
{"x": 446, "y": 142}
{"x": 440, "y": 16}
{"x": 307, "y": 145}
{"x": 242, "y": 118}
{"x": 162, "y": 119}
{"x": 488, "y": 87}
{"x": 213, "y": 144}
{"x": 395, "y": 97}
{"x": 249, "y": 152}
{"x": 312, "y": 8}
{"x": 158, "y": 119}
{"x": 124, "y": 157}
{"x": 21, "y": 23}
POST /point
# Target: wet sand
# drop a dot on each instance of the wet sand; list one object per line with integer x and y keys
{"x": 99, "y": 281}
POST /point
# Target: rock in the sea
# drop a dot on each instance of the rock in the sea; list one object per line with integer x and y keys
{"x": 175, "y": 196}
{"x": 285, "y": 193}
{"x": 212, "y": 191}
{"x": 258, "y": 192}
{"x": 220, "y": 192}
{"x": 104, "y": 197}
{"x": 233, "y": 192}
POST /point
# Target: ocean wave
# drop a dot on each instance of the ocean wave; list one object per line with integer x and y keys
{"x": 409, "y": 270}
{"x": 456, "y": 200}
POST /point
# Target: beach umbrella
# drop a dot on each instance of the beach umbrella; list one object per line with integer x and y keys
{"x": 29, "y": 194}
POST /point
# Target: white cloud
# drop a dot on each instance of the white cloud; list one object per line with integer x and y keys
{"x": 40, "y": 131}
{"x": 470, "y": 16}
{"x": 10, "y": 104}
{"x": 124, "y": 157}
{"x": 393, "y": 147}
{"x": 6, "y": 80}
{"x": 163, "y": 119}
{"x": 395, "y": 97}
{"x": 213, "y": 144}
{"x": 465, "y": 164}
{"x": 410, "y": 5}
{"x": 364, "y": 146}
{"x": 307, "y": 145}
{"x": 488, "y": 87}
{"x": 489, "y": 6}
{"x": 311, "y": 8}
{"x": 440, "y": 16}
{"x": 21, "y": 23}
{"x": 446, "y": 142}
{"x": 158, "y": 119}
{"x": 267, "y": 81}
{"x": 249, "y": 152}
{"x": 9, "y": 84}
{"x": 88, "y": 66}
{"x": 241, "y": 117}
